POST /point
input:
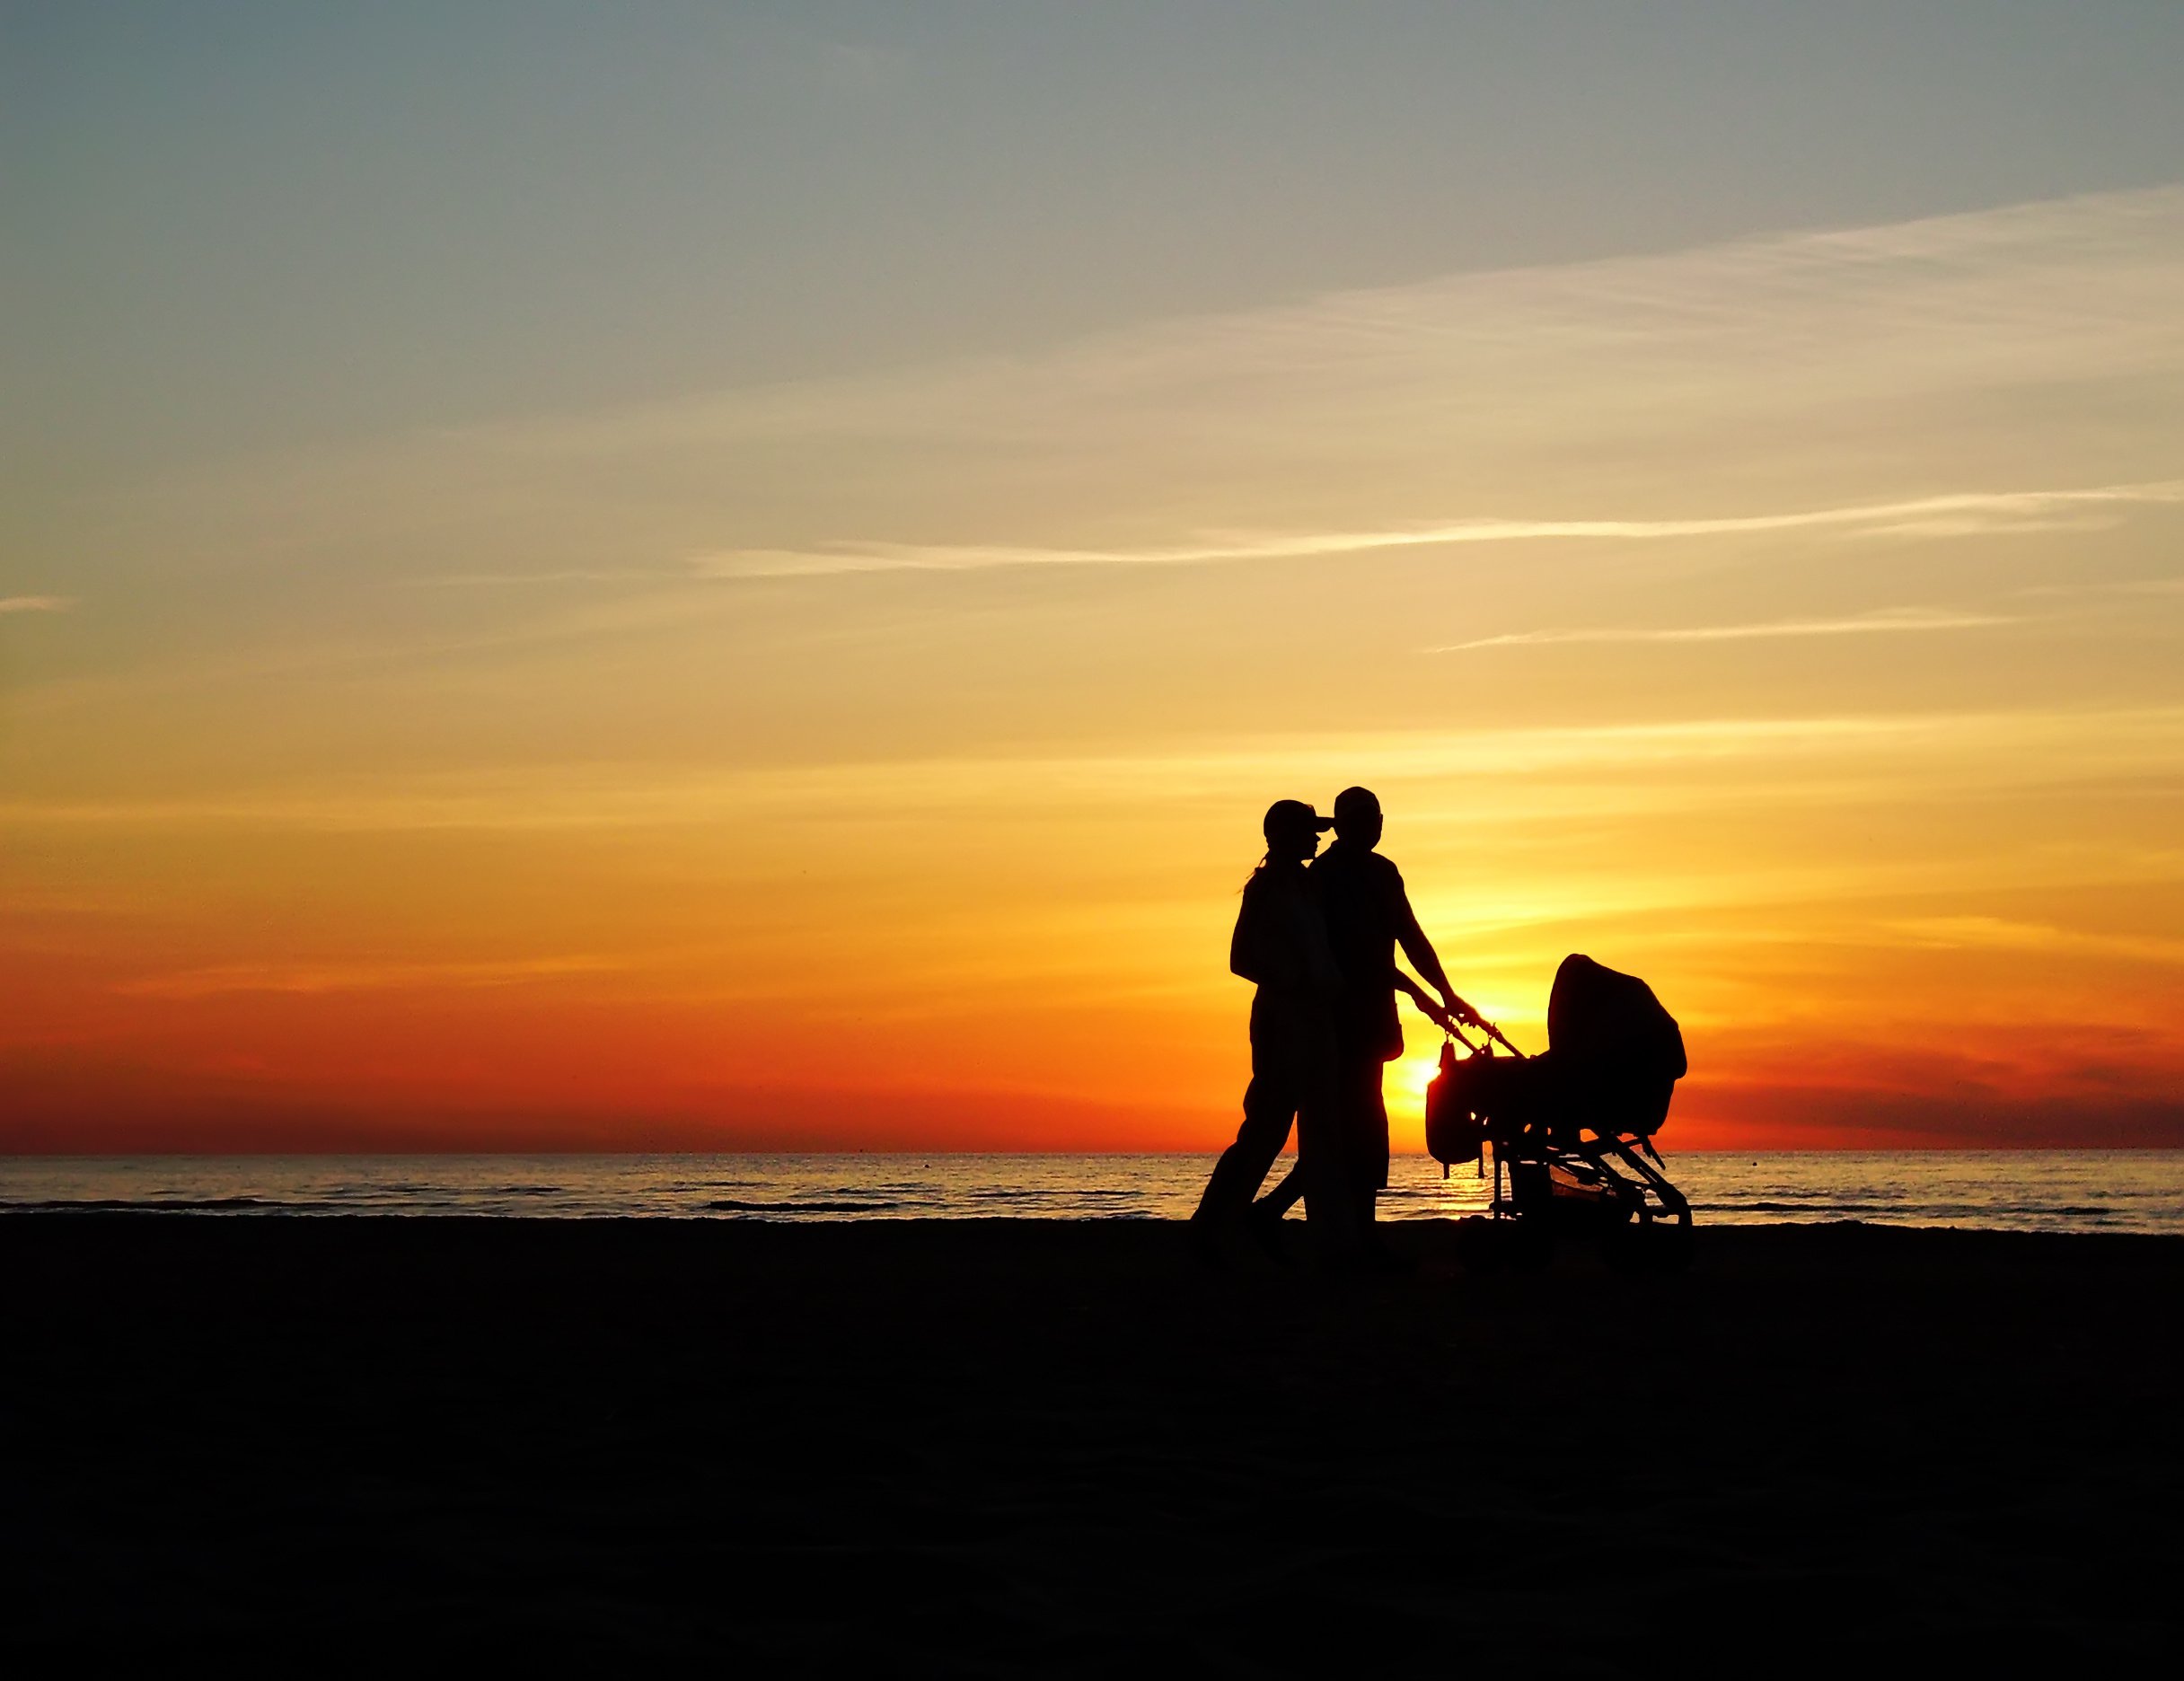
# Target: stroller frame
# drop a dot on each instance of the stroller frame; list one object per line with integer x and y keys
{"x": 1562, "y": 1165}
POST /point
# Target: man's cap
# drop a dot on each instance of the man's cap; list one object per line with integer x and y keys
{"x": 1354, "y": 803}
{"x": 1285, "y": 816}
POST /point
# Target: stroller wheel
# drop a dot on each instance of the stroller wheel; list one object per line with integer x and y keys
{"x": 1649, "y": 1247}
{"x": 1489, "y": 1245}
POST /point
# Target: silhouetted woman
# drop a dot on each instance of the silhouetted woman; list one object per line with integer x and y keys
{"x": 1281, "y": 946}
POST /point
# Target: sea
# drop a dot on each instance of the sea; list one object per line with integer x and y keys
{"x": 2082, "y": 1191}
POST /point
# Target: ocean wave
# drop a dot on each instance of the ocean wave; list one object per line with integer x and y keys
{"x": 144, "y": 1205}
{"x": 737, "y": 1205}
{"x": 2046, "y": 1192}
{"x": 1815, "y": 1205}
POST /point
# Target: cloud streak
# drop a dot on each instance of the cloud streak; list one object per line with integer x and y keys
{"x": 220, "y": 980}
{"x": 566, "y": 574}
{"x": 1987, "y": 933}
{"x": 1957, "y": 513}
{"x": 35, "y": 603}
{"x": 1983, "y": 749}
{"x": 1893, "y": 619}
{"x": 2119, "y": 587}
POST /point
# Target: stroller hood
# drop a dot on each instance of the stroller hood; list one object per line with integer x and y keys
{"x": 1602, "y": 1018}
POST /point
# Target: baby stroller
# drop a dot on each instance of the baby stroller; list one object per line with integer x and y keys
{"x": 1572, "y": 1130}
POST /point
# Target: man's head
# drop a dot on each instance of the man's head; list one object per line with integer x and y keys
{"x": 1357, "y": 818}
{"x": 1292, "y": 830}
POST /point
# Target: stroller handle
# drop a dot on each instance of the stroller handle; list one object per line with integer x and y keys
{"x": 1446, "y": 1023}
{"x": 1495, "y": 1033}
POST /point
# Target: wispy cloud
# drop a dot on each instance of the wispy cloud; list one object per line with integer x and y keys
{"x": 564, "y": 574}
{"x": 35, "y": 603}
{"x": 311, "y": 978}
{"x": 1949, "y": 525}
{"x": 1893, "y": 619}
{"x": 2117, "y": 586}
{"x": 1808, "y": 384}
{"x": 1957, "y": 513}
{"x": 2012, "y": 748}
{"x": 1987, "y": 933}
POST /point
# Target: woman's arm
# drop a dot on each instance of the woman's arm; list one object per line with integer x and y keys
{"x": 1268, "y": 948}
{"x": 1251, "y": 953}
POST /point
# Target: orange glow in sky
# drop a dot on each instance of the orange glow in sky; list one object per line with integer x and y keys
{"x": 875, "y": 761}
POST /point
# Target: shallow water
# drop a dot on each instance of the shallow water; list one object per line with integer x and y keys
{"x": 2131, "y": 1190}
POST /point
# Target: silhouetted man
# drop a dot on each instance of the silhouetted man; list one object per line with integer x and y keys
{"x": 1367, "y": 916}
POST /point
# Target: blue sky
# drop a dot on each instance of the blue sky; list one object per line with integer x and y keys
{"x": 236, "y": 224}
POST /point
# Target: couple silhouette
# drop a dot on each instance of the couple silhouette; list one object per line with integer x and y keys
{"x": 1317, "y": 935}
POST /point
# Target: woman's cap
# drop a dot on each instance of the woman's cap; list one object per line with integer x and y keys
{"x": 1286, "y": 816}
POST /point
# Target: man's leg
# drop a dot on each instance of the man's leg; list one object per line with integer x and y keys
{"x": 1365, "y": 1111}
{"x": 1324, "y": 1158}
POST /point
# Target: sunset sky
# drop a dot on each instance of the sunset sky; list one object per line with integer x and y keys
{"x": 673, "y": 576}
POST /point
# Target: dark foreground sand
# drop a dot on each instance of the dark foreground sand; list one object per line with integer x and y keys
{"x": 1001, "y": 1446}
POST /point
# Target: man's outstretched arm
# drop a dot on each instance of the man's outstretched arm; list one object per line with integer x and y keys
{"x": 1418, "y": 995}
{"x": 1419, "y": 949}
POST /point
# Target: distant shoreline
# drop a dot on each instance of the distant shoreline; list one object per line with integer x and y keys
{"x": 1003, "y": 1227}
{"x": 1204, "y": 1152}
{"x": 2073, "y": 1190}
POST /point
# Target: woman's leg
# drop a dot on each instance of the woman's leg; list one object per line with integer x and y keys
{"x": 1270, "y": 1107}
{"x": 1283, "y": 1197}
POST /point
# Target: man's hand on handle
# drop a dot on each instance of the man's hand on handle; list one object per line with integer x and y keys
{"x": 1447, "y": 1015}
{"x": 1463, "y": 1012}
{"x": 1448, "y": 1020}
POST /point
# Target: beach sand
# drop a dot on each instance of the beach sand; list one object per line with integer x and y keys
{"x": 1058, "y": 1446}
